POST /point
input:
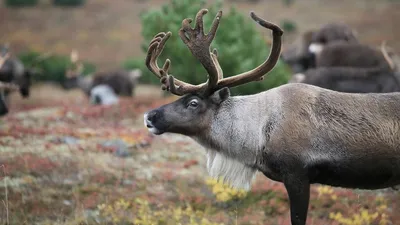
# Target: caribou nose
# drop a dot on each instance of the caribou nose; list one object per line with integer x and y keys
{"x": 149, "y": 119}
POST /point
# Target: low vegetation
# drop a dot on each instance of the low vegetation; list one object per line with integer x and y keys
{"x": 20, "y": 3}
{"x": 66, "y": 162}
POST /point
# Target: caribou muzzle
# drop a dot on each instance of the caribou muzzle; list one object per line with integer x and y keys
{"x": 154, "y": 122}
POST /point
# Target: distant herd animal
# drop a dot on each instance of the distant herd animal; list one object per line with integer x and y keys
{"x": 119, "y": 82}
{"x": 333, "y": 58}
{"x": 102, "y": 87}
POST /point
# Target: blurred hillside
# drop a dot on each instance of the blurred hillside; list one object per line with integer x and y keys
{"x": 107, "y": 32}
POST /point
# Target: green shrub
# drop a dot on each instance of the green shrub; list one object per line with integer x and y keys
{"x": 69, "y": 2}
{"x": 288, "y": 2}
{"x": 20, "y": 3}
{"x": 288, "y": 26}
{"x": 240, "y": 45}
{"x": 51, "y": 68}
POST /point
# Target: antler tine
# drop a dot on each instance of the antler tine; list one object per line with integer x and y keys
{"x": 168, "y": 82}
{"x": 386, "y": 55}
{"x": 3, "y": 59}
{"x": 156, "y": 47}
{"x": 199, "y": 45}
{"x": 214, "y": 56}
{"x": 258, "y": 72}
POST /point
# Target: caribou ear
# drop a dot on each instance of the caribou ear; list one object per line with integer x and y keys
{"x": 221, "y": 95}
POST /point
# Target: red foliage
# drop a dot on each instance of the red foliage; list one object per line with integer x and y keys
{"x": 190, "y": 163}
{"x": 29, "y": 163}
{"x": 91, "y": 201}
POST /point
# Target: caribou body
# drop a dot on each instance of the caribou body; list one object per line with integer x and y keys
{"x": 297, "y": 134}
{"x": 12, "y": 70}
{"x": 13, "y": 77}
{"x": 300, "y": 55}
{"x": 122, "y": 82}
{"x": 353, "y": 68}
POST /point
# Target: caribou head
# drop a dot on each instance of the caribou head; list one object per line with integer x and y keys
{"x": 193, "y": 113}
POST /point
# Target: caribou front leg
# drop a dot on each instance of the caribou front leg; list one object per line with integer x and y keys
{"x": 298, "y": 189}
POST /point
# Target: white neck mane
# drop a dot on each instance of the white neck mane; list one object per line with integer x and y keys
{"x": 236, "y": 138}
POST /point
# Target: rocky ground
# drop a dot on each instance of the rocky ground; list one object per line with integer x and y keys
{"x": 66, "y": 162}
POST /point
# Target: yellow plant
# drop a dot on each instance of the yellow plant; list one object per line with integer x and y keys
{"x": 363, "y": 216}
{"x": 141, "y": 213}
{"x": 224, "y": 192}
{"x": 326, "y": 190}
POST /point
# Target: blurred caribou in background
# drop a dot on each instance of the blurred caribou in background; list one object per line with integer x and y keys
{"x": 299, "y": 55}
{"x": 12, "y": 70}
{"x": 333, "y": 58}
{"x": 14, "y": 76}
{"x": 101, "y": 87}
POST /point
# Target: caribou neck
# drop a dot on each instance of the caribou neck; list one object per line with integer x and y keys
{"x": 236, "y": 130}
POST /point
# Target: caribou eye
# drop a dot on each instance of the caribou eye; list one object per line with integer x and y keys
{"x": 193, "y": 103}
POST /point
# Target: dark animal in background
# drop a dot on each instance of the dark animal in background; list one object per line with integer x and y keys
{"x": 12, "y": 70}
{"x": 332, "y": 32}
{"x": 351, "y": 79}
{"x": 300, "y": 55}
{"x": 4, "y": 101}
{"x": 297, "y": 134}
{"x": 350, "y": 55}
{"x": 353, "y": 68}
{"x": 296, "y": 55}
{"x": 122, "y": 82}
{"x": 74, "y": 77}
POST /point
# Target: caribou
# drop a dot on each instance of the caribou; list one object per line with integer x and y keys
{"x": 12, "y": 70}
{"x": 297, "y": 134}
{"x": 346, "y": 54}
{"x": 353, "y": 68}
{"x": 300, "y": 55}
{"x": 119, "y": 82}
{"x": 4, "y": 102}
{"x": 351, "y": 79}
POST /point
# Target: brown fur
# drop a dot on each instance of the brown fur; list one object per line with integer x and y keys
{"x": 350, "y": 79}
{"x": 297, "y": 55}
{"x": 13, "y": 71}
{"x": 344, "y": 54}
{"x": 352, "y": 68}
{"x": 119, "y": 81}
{"x": 332, "y": 32}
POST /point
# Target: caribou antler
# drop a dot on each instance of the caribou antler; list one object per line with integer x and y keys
{"x": 3, "y": 59}
{"x": 169, "y": 83}
{"x": 258, "y": 72}
{"x": 386, "y": 56}
{"x": 199, "y": 44}
{"x": 77, "y": 66}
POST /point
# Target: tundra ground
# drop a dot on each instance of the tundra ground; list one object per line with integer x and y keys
{"x": 65, "y": 162}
